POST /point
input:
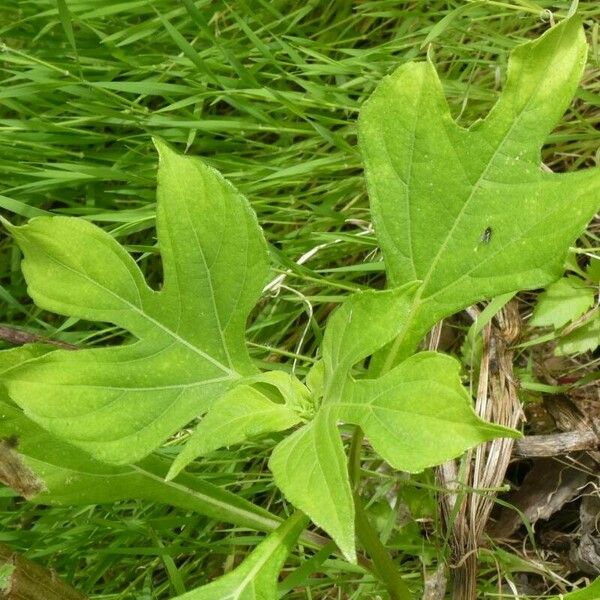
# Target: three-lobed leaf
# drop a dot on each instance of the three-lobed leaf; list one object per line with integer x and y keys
{"x": 470, "y": 212}
{"x": 120, "y": 403}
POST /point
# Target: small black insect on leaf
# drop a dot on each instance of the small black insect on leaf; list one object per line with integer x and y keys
{"x": 12, "y": 441}
{"x": 486, "y": 236}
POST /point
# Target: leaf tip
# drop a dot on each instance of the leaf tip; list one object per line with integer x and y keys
{"x": 181, "y": 462}
{"x": 163, "y": 149}
{"x": 349, "y": 552}
{"x": 496, "y": 431}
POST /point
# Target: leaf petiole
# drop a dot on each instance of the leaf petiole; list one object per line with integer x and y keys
{"x": 382, "y": 561}
{"x": 383, "y": 564}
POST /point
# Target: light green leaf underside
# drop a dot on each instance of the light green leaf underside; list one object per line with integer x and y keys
{"x": 120, "y": 403}
{"x": 470, "y": 212}
{"x": 309, "y": 466}
{"x": 244, "y": 413}
{"x": 563, "y": 301}
{"x": 256, "y": 578}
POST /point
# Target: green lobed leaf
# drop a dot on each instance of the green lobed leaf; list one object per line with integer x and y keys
{"x": 119, "y": 403}
{"x": 245, "y": 413}
{"x": 418, "y": 414}
{"x": 563, "y": 301}
{"x": 470, "y": 212}
{"x": 256, "y": 578}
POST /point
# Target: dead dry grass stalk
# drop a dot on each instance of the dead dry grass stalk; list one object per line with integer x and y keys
{"x": 466, "y": 513}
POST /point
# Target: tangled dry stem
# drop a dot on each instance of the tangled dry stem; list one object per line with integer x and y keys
{"x": 470, "y": 496}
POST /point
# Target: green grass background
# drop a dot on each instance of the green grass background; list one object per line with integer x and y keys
{"x": 268, "y": 93}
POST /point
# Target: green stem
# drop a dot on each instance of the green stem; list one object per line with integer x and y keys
{"x": 383, "y": 564}
{"x": 354, "y": 457}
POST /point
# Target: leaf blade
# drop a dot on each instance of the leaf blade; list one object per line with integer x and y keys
{"x": 309, "y": 467}
{"x": 190, "y": 346}
{"x": 444, "y": 198}
{"x": 256, "y": 578}
{"x": 418, "y": 415}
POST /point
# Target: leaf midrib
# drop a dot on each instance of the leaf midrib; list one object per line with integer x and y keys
{"x": 372, "y": 408}
{"x": 269, "y": 524}
{"x": 474, "y": 189}
{"x": 477, "y": 183}
{"x": 209, "y": 279}
{"x": 173, "y": 334}
{"x": 175, "y": 386}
